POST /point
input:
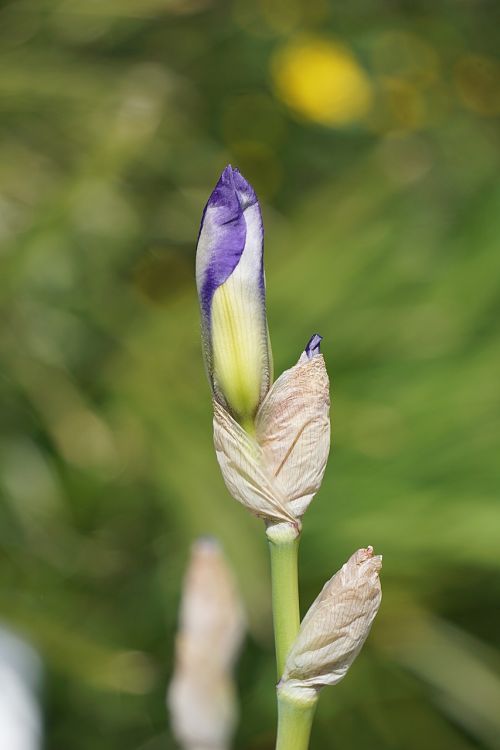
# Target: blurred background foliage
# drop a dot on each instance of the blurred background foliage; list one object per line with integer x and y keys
{"x": 371, "y": 133}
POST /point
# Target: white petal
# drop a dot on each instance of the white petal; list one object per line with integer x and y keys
{"x": 293, "y": 429}
{"x": 244, "y": 471}
{"x": 336, "y": 625}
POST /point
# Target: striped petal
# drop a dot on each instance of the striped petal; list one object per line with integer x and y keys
{"x": 231, "y": 289}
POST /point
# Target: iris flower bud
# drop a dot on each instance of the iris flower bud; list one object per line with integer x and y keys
{"x": 336, "y": 626}
{"x": 272, "y": 443}
{"x": 231, "y": 289}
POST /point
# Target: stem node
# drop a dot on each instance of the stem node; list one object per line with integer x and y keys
{"x": 295, "y": 716}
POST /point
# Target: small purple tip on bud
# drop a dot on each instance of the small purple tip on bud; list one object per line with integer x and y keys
{"x": 313, "y": 345}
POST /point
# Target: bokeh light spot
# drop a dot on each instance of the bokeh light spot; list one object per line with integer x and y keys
{"x": 405, "y": 104}
{"x": 405, "y": 55}
{"x": 477, "y": 79}
{"x": 281, "y": 15}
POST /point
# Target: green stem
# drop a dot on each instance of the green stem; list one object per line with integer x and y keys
{"x": 295, "y": 717}
{"x": 284, "y": 545}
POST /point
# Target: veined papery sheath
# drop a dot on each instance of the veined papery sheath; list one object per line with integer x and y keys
{"x": 336, "y": 626}
{"x": 231, "y": 289}
{"x": 277, "y": 471}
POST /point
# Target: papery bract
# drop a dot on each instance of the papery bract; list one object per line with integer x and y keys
{"x": 243, "y": 468}
{"x": 336, "y": 626}
{"x": 276, "y": 471}
{"x": 293, "y": 429}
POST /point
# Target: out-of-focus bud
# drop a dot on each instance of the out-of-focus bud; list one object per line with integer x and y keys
{"x": 201, "y": 696}
{"x": 231, "y": 289}
{"x": 335, "y": 627}
{"x": 276, "y": 471}
{"x": 20, "y": 715}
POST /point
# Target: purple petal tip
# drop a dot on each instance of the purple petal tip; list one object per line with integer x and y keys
{"x": 245, "y": 192}
{"x": 223, "y": 230}
{"x": 232, "y": 192}
{"x": 224, "y": 195}
{"x": 313, "y": 345}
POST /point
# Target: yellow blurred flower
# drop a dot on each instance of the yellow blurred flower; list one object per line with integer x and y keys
{"x": 322, "y": 81}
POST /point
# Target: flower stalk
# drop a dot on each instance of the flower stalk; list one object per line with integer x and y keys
{"x": 284, "y": 547}
{"x": 272, "y": 441}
